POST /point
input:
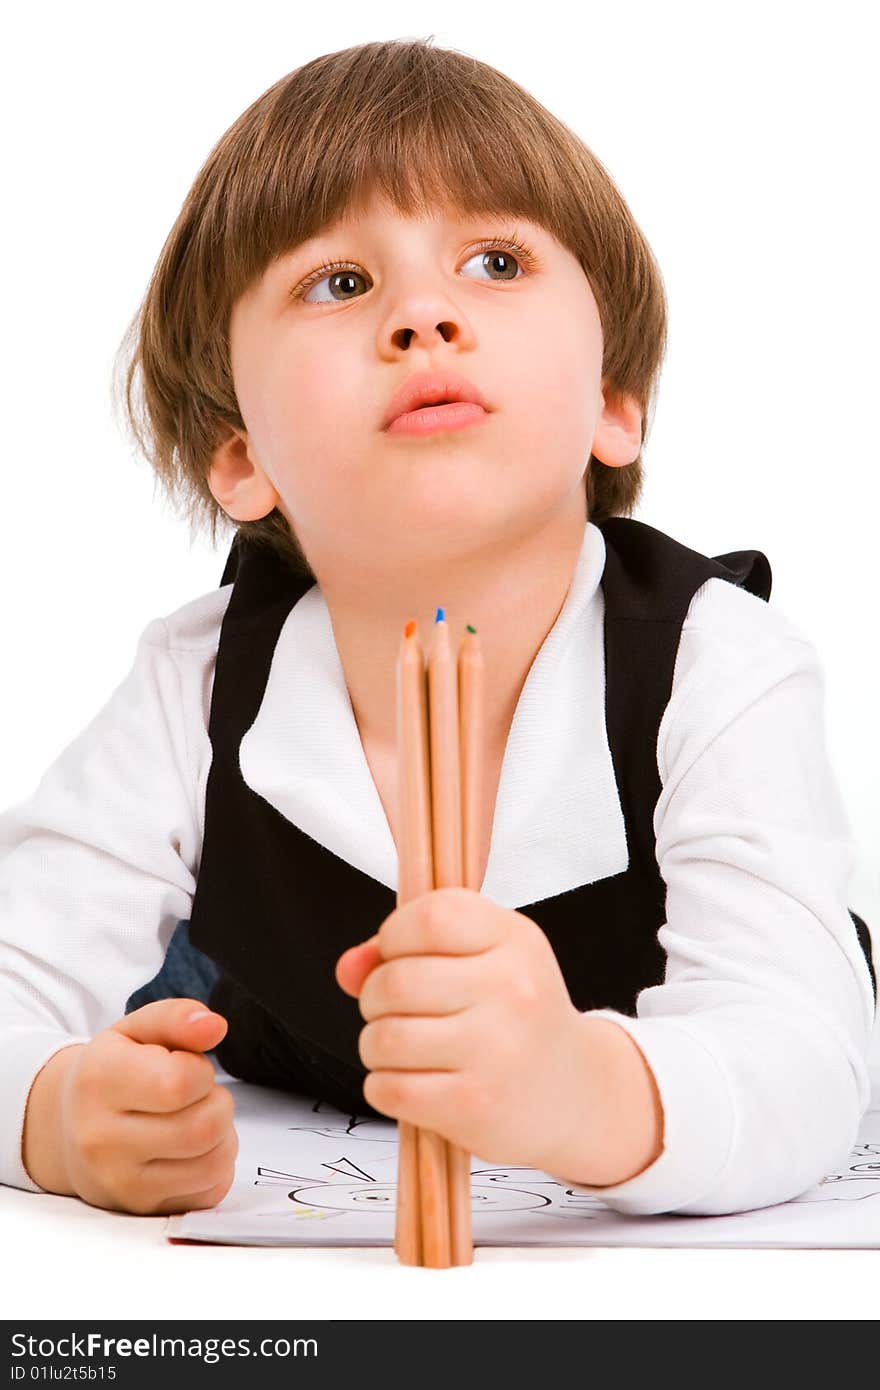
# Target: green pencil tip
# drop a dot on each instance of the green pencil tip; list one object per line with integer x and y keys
{"x": 471, "y": 629}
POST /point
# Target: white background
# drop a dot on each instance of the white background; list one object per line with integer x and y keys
{"x": 743, "y": 138}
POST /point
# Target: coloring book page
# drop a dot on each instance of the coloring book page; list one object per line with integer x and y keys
{"x": 309, "y": 1174}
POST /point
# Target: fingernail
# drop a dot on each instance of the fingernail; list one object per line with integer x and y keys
{"x": 199, "y": 1013}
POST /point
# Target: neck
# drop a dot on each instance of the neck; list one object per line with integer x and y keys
{"x": 512, "y": 594}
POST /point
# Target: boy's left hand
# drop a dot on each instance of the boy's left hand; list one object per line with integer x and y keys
{"x": 470, "y": 1028}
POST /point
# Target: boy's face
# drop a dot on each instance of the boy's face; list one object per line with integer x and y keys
{"x": 314, "y": 375}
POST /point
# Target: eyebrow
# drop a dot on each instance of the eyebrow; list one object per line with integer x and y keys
{"x": 344, "y": 228}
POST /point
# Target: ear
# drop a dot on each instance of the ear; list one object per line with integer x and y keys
{"x": 618, "y": 436}
{"x": 239, "y": 484}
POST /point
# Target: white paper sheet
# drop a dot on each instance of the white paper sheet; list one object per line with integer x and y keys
{"x": 307, "y": 1174}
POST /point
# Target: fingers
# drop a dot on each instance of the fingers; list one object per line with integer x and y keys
{"x": 151, "y": 1060}
{"x": 169, "y": 1022}
{"x": 437, "y": 1100}
{"x": 355, "y": 964}
{"x": 193, "y": 1201}
{"x": 400, "y": 1043}
{"x": 445, "y": 921}
{"x": 424, "y": 985}
{"x": 189, "y": 1133}
{"x": 181, "y": 1182}
{"x": 123, "y": 1075}
{"x": 412, "y": 1044}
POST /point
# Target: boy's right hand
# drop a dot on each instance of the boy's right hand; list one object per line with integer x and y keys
{"x": 145, "y": 1127}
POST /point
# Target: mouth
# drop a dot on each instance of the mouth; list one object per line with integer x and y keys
{"x": 424, "y": 392}
{"x": 443, "y": 415}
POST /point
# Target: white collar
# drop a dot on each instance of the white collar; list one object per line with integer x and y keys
{"x": 558, "y": 820}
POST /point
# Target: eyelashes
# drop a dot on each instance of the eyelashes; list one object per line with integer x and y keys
{"x": 512, "y": 243}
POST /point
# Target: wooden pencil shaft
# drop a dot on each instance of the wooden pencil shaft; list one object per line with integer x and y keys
{"x": 416, "y": 872}
{"x": 407, "y": 1222}
{"x": 471, "y": 744}
{"x": 471, "y": 715}
{"x": 445, "y": 755}
{"x": 443, "y": 724}
{"x": 422, "y": 1227}
{"x": 415, "y": 876}
{"x": 460, "y": 1224}
{"x": 434, "y": 1195}
{"x": 446, "y": 723}
{"x": 433, "y": 1157}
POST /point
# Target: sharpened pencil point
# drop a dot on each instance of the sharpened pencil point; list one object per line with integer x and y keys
{"x": 440, "y": 618}
{"x": 410, "y": 628}
{"x": 471, "y": 629}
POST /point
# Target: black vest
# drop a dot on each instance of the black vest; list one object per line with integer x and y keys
{"x": 275, "y": 909}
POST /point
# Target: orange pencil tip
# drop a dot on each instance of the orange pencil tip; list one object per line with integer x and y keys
{"x": 410, "y": 628}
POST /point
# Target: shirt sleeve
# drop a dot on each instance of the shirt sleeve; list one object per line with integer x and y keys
{"x": 758, "y": 1037}
{"x": 96, "y": 869}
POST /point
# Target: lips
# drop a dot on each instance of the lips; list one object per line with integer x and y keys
{"x": 430, "y": 388}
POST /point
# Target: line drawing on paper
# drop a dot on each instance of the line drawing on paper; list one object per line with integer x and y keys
{"x": 498, "y": 1190}
{"x": 343, "y": 1185}
{"x": 856, "y": 1183}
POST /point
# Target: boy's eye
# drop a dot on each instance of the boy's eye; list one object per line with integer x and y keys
{"x": 498, "y": 258}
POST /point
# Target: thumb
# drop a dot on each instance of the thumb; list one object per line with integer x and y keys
{"x": 174, "y": 1023}
{"x": 355, "y": 964}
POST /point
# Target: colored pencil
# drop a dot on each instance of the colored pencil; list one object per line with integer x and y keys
{"x": 422, "y": 1231}
{"x": 439, "y": 746}
{"x": 415, "y": 876}
{"x": 446, "y": 824}
{"x": 471, "y": 707}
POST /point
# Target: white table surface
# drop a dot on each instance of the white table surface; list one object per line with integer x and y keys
{"x": 65, "y": 1259}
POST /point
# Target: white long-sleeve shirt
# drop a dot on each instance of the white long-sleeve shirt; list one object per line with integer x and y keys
{"x": 758, "y": 1036}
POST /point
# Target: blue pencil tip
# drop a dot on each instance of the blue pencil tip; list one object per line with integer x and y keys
{"x": 440, "y": 617}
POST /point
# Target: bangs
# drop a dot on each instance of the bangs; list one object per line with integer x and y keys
{"x": 297, "y": 162}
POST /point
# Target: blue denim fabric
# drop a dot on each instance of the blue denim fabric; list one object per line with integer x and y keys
{"x": 187, "y": 973}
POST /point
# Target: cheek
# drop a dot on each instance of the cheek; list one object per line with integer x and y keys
{"x": 313, "y": 429}
{"x": 317, "y": 402}
{"x": 556, "y": 418}
{"x": 556, "y": 397}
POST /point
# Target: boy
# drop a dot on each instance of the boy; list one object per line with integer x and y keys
{"x": 659, "y": 995}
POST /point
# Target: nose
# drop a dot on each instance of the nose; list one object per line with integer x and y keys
{"x": 425, "y": 333}
{"x": 421, "y": 311}
{"x": 422, "y": 314}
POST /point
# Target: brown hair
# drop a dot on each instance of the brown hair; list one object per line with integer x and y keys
{"x": 425, "y": 127}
